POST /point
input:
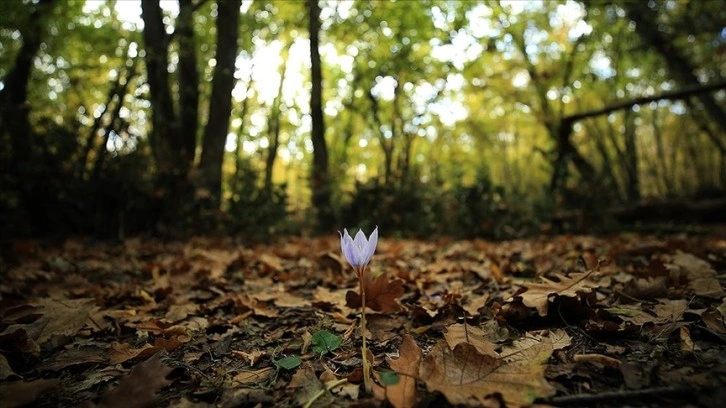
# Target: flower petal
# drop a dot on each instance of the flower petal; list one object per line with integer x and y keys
{"x": 370, "y": 249}
{"x": 349, "y": 250}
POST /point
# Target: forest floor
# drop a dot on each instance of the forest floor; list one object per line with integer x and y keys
{"x": 617, "y": 320}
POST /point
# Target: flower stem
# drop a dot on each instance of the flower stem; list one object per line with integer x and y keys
{"x": 366, "y": 364}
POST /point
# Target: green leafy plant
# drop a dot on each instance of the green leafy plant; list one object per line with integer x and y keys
{"x": 287, "y": 363}
{"x": 325, "y": 342}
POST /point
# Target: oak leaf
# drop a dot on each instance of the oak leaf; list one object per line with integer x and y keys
{"x": 381, "y": 294}
{"x": 538, "y": 295}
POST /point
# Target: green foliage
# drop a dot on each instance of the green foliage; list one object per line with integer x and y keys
{"x": 325, "y": 342}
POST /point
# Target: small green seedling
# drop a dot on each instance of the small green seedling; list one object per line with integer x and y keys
{"x": 324, "y": 342}
{"x": 287, "y": 363}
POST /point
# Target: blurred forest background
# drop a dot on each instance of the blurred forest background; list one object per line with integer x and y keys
{"x": 461, "y": 118}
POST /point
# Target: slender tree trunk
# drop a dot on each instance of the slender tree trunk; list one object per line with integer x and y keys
{"x": 632, "y": 185}
{"x": 220, "y": 106}
{"x": 320, "y": 177}
{"x": 274, "y": 129}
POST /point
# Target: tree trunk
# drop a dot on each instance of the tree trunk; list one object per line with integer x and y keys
{"x": 170, "y": 151}
{"x": 220, "y": 106}
{"x": 188, "y": 80}
{"x": 679, "y": 65}
{"x": 320, "y": 177}
{"x": 14, "y": 106}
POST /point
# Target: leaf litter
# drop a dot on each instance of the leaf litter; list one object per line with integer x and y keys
{"x": 626, "y": 319}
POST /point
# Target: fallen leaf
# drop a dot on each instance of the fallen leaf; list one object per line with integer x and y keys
{"x": 254, "y": 376}
{"x": 122, "y": 352}
{"x": 466, "y": 377}
{"x": 406, "y": 366}
{"x": 538, "y": 295}
{"x": 50, "y": 317}
{"x": 306, "y": 386}
{"x": 464, "y": 333}
{"x": 381, "y": 294}
{"x": 702, "y": 278}
{"x": 140, "y": 386}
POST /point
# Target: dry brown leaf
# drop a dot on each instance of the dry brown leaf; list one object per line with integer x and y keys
{"x": 306, "y": 386}
{"x": 381, "y": 294}
{"x": 466, "y": 377}
{"x": 254, "y": 376}
{"x": 122, "y": 352}
{"x": 403, "y": 394}
{"x": 464, "y": 333}
{"x": 701, "y": 276}
{"x": 50, "y": 317}
{"x": 667, "y": 311}
{"x": 535, "y": 348}
{"x": 139, "y": 387}
{"x": 252, "y": 357}
{"x": 539, "y": 294}
{"x": 180, "y": 312}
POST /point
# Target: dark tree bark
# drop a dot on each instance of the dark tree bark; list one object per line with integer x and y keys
{"x": 320, "y": 177}
{"x": 220, "y": 106}
{"x": 171, "y": 153}
{"x": 14, "y": 105}
{"x": 188, "y": 78}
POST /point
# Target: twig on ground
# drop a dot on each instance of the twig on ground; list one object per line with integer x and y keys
{"x": 586, "y": 399}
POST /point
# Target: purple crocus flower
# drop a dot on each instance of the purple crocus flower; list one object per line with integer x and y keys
{"x": 358, "y": 251}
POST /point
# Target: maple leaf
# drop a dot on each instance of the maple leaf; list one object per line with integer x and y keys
{"x": 381, "y": 294}
{"x": 538, "y": 294}
{"x": 139, "y": 387}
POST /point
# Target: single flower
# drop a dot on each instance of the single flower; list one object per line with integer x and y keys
{"x": 358, "y": 251}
